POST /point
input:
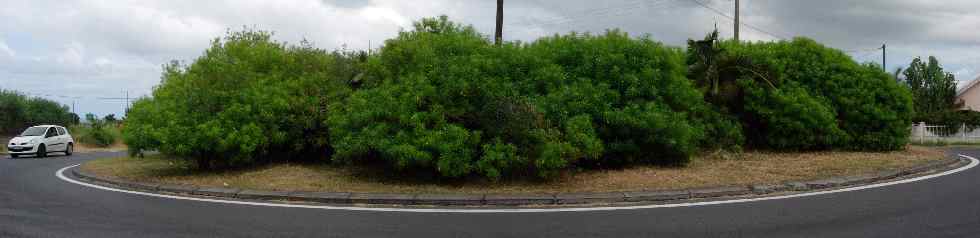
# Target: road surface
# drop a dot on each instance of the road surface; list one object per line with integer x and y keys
{"x": 35, "y": 203}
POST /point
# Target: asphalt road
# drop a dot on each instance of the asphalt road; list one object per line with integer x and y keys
{"x": 35, "y": 203}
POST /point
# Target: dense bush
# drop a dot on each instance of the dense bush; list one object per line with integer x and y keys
{"x": 635, "y": 93}
{"x": 17, "y": 112}
{"x": 442, "y": 98}
{"x": 802, "y": 95}
{"x": 246, "y": 97}
{"x": 95, "y": 131}
{"x": 140, "y": 131}
{"x": 449, "y": 100}
{"x": 430, "y": 102}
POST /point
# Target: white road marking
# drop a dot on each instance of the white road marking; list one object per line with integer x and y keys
{"x": 973, "y": 163}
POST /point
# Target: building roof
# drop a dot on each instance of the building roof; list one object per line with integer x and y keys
{"x": 969, "y": 85}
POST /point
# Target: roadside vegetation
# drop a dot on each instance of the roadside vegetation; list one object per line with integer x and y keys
{"x": 800, "y": 95}
{"x": 18, "y": 111}
{"x": 97, "y": 132}
{"x": 703, "y": 171}
{"x": 441, "y": 99}
{"x": 934, "y": 91}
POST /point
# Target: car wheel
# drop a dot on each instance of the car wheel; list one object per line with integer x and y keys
{"x": 41, "y": 151}
{"x": 13, "y": 156}
{"x": 70, "y": 149}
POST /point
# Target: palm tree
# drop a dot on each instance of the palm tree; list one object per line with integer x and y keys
{"x": 714, "y": 71}
{"x": 898, "y": 74}
{"x": 703, "y": 62}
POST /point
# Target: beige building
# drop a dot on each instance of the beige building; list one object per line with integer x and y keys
{"x": 970, "y": 95}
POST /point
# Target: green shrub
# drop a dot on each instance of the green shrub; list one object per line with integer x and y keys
{"x": 96, "y": 132}
{"x": 633, "y": 89}
{"x": 139, "y": 129}
{"x": 444, "y": 98}
{"x": 789, "y": 118}
{"x": 101, "y": 136}
{"x": 806, "y": 94}
{"x": 420, "y": 113}
{"x": 246, "y": 97}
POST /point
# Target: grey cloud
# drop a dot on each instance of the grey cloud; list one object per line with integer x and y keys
{"x": 348, "y": 3}
{"x": 136, "y": 37}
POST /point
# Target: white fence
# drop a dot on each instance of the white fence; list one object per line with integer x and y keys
{"x": 923, "y": 133}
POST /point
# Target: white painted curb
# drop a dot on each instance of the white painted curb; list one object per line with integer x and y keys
{"x": 973, "y": 163}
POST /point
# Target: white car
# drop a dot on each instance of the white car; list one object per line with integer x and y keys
{"x": 41, "y": 140}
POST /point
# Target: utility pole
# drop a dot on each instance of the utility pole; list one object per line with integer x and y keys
{"x": 884, "y": 57}
{"x": 736, "y": 19}
{"x": 499, "y": 35}
{"x": 125, "y": 98}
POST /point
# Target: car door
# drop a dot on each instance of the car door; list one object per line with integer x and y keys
{"x": 51, "y": 140}
{"x": 62, "y": 138}
{"x": 68, "y": 138}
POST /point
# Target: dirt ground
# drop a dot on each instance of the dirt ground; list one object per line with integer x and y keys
{"x": 706, "y": 171}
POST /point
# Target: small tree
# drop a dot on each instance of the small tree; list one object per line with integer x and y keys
{"x": 96, "y": 133}
{"x": 75, "y": 119}
{"x": 933, "y": 89}
{"x": 92, "y": 120}
{"x": 716, "y": 71}
{"x": 703, "y": 58}
{"x": 111, "y": 118}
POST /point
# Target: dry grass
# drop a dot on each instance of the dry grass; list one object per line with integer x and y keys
{"x": 115, "y": 147}
{"x": 706, "y": 171}
{"x": 4, "y": 140}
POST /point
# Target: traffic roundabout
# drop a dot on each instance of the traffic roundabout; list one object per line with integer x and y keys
{"x": 41, "y": 198}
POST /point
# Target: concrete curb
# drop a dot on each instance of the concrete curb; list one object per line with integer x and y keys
{"x": 526, "y": 199}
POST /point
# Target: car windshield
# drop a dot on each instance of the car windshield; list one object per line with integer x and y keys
{"x": 34, "y": 131}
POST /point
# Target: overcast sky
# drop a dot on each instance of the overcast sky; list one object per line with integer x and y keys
{"x": 79, "y": 51}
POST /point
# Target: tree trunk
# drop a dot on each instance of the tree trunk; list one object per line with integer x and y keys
{"x": 204, "y": 164}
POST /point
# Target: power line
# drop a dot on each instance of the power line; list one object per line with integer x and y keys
{"x": 35, "y": 94}
{"x": 862, "y": 50}
{"x": 127, "y": 98}
{"x": 865, "y": 55}
{"x": 65, "y": 96}
{"x": 737, "y": 22}
{"x": 595, "y": 13}
{"x": 589, "y": 12}
{"x": 592, "y": 13}
{"x": 719, "y": 12}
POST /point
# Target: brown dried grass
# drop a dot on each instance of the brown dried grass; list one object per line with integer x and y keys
{"x": 710, "y": 170}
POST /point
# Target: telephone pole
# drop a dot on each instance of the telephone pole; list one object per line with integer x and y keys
{"x": 884, "y": 57}
{"x": 736, "y": 19}
{"x": 499, "y": 35}
{"x": 126, "y": 108}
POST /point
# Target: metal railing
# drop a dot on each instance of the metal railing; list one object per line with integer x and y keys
{"x": 923, "y": 133}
